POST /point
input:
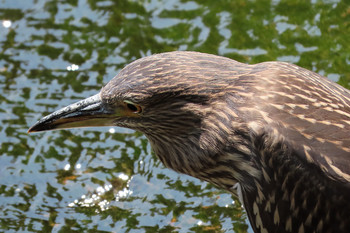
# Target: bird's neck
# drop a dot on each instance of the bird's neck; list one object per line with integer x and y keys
{"x": 222, "y": 163}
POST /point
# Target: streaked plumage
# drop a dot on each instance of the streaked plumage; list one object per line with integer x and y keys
{"x": 281, "y": 131}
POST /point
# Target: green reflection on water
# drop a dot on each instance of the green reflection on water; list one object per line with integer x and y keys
{"x": 98, "y": 181}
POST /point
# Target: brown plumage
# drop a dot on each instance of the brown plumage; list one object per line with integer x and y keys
{"x": 282, "y": 132}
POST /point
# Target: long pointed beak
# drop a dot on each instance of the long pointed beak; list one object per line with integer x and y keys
{"x": 85, "y": 113}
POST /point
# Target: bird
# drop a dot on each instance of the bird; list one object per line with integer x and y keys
{"x": 273, "y": 133}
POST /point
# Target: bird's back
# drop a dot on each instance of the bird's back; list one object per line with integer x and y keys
{"x": 300, "y": 131}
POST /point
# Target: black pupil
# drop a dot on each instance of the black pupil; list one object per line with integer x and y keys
{"x": 132, "y": 107}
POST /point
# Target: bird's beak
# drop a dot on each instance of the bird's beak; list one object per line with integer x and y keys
{"x": 85, "y": 113}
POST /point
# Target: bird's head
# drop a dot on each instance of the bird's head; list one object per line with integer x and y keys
{"x": 174, "y": 98}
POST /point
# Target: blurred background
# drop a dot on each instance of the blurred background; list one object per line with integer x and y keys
{"x": 56, "y": 52}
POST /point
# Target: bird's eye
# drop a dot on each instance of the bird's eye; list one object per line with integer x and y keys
{"x": 133, "y": 107}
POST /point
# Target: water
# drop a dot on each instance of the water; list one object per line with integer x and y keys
{"x": 106, "y": 180}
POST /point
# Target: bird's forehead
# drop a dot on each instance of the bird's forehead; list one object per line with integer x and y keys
{"x": 173, "y": 73}
{"x": 152, "y": 75}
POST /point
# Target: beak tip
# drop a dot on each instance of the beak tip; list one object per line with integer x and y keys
{"x": 31, "y": 130}
{"x": 40, "y": 126}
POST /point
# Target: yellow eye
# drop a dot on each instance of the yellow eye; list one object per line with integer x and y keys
{"x": 134, "y": 108}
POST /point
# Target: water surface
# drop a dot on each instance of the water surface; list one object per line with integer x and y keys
{"x": 54, "y": 53}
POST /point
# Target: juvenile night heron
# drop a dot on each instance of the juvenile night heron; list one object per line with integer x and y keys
{"x": 280, "y": 131}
